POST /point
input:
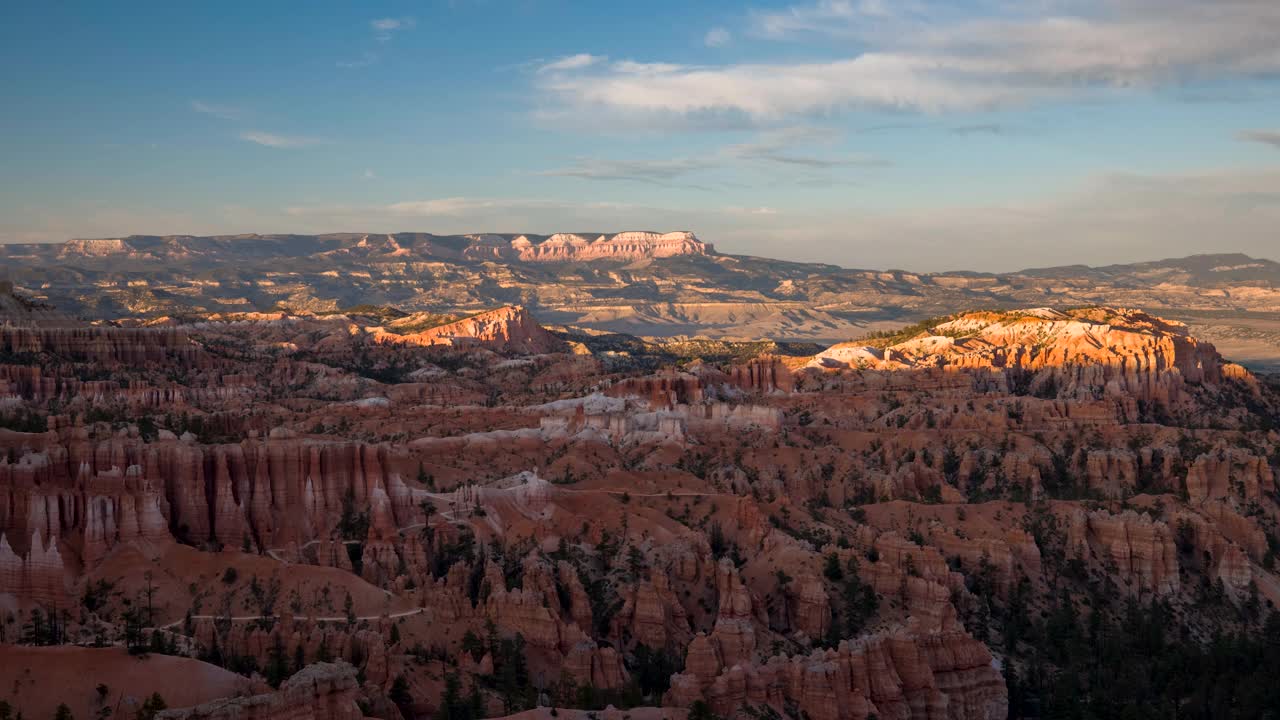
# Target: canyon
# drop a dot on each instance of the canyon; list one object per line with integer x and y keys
{"x": 314, "y": 503}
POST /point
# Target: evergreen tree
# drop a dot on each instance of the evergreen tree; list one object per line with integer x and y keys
{"x": 399, "y": 694}
{"x": 150, "y": 707}
{"x": 277, "y": 668}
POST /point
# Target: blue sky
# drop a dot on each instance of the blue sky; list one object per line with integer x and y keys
{"x": 925, "y": 135}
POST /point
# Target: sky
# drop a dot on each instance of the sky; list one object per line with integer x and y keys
{"x": 916, "y": 134}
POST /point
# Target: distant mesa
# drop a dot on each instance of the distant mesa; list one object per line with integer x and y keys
{"x": 563, "y": 247}
{"x": 560, "y": 247}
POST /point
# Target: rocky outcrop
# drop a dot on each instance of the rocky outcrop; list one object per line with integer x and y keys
{"x": 509, "y": 328}
{"x": 1011, "y": 557}
{"x": 1081, "y": 354}
{"x": 660, "y": 392}
{"x": 654, "y": 613}
{"x": 1229, "y": 472}
{"x": 734, "y": 634}
{"x": 889, "y": 675}
{"x": 764, "y": 374}
{"x": 1132, "y": 547}
{"x": 37, "y": 575}
{"x": 322, "y": 691}
{"x": 589, "y": 664}
{"x": 810, "y": 606}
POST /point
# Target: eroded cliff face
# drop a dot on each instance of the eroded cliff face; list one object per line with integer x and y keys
{"x": 272, "y": 493}
{"x": 509, "y": 328}
{"x": 501, "y": 521}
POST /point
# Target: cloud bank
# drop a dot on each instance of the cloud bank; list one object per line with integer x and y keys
{"x": 922, "y": 57}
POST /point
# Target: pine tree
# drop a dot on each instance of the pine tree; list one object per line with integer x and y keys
{"x": 150, "y": 707}
{"x": 277, "y": 667}
{"x": 399, "y": 694}
{"x": 450, "y": 701}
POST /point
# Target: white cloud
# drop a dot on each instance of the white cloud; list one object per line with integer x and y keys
{"x": 717, "y": 37}
{"x": 770, "y": 92}
{"x": 571, "y": 62}
{"x": 274, "y": 140}
{"x": 631, "y": 67}
{"x": 924, "y": 57}
{"x": 224, "y": 112}
{"x": 1267, "y": 137}
{"x": 825, "y": 16}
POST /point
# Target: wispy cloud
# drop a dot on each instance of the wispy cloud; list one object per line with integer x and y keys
{"x": 386, "y": 27}
{"x": 1266, "y": 137}
{"x": 274, "y": 140}
{"x": 778, "y": 146}
{"x": 572, "y": 62}
{"x": 658, "y": 172}
{"x": 761, "y": 210}
{"x": 924, "y": 56}
{"x": 218, "y": 110}
{"x": 389, "y": 24}
{"x": 631, "y": 67}
{"x": 979, "y": 129}
{"x": 717, "y": 37}
{"x": 804, "y": 148}
{"x": 454, "y": 207}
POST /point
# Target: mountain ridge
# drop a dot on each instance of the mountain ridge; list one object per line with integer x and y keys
{"x": 639, "y": 283}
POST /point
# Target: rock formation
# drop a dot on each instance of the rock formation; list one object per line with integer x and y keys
{"x": 323, "y": 691}
{"x": 509, "y": 328}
